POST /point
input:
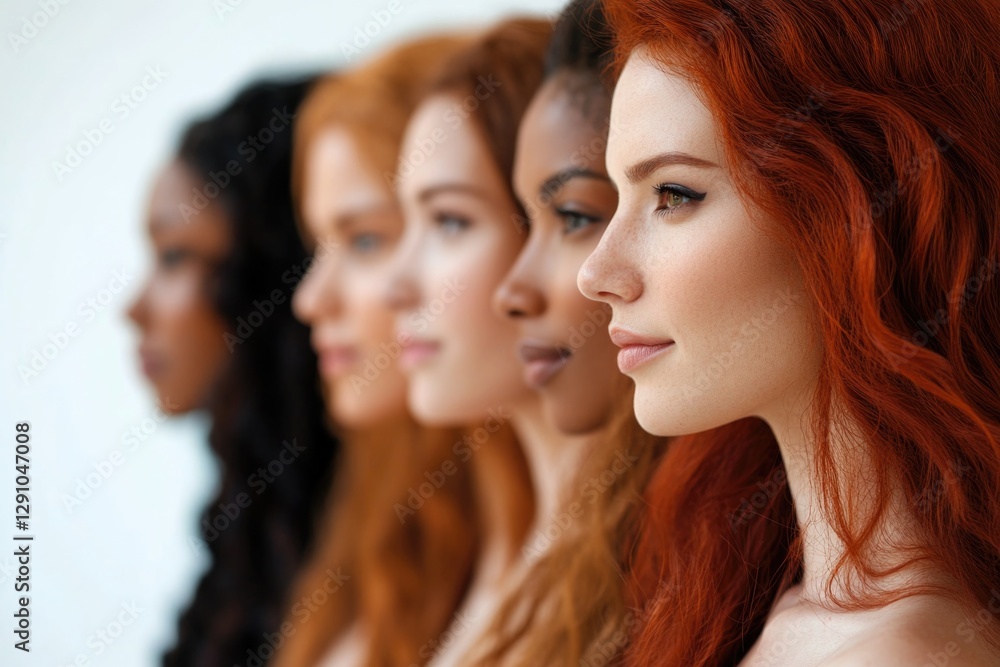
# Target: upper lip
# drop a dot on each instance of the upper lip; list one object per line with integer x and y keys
{"x": 533, "y": 350}
{"x": 327, "y": 344}
{"x": 409, "y": 340}
{"x": 622, "y": 337}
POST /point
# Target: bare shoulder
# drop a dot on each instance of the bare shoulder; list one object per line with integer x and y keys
{"x": 919, "y": 631}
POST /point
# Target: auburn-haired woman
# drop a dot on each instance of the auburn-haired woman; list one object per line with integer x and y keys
{"x": 806, "y": 253}
{"x": 223, "y": 229}
{"x": 379, "y": 588}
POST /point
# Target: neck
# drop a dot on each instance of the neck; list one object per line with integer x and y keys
{"x": 822, "y": 548}
{"x": 552, "y": 456}
{"x": 502, "y": 491}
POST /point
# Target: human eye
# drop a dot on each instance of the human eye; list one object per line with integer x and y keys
{"x": 672, "y": 197}
{"x": 172, "y": 257}
{"x": 574, "y": 221}
{"x": 451, "y": 223}
{"x": 365, "y": 243}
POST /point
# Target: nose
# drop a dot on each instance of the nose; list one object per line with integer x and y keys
{"x": 317, "y": 294}
{"x": 610, "y": 274}
{"x": 521, "y": 294}
{"x": 138, "y": 310}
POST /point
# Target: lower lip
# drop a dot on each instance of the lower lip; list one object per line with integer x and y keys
{"x": 150, "y": 366}
{"x": 336, "y": 362}
{"x": 634, "y": 356}
{"x": 415, "y": 354}
{"x": 540, "y": 372}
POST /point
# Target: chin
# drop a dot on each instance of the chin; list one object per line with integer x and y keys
{"x": 170, "y": 405}
{"x": 350, "y": 411}
{"x": 656, "y": 413}
{"x": 432, "y": 406}
{"x": 432, "y": 410}
{"x": 575, "y": 418}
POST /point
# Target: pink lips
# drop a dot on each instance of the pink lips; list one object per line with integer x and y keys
{"x": 336, "y": 359}
{"x": 541, "y": 362}
{"x": 415, "y": 352}
{"x": 636, "y": 350}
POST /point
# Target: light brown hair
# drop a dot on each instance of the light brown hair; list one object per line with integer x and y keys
{"x": 399, "y": 576}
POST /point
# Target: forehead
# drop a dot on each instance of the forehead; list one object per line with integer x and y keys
{"x": 655, "y": 111}
{"x": 557, "y": 132}
{"x": 443, "y": 144}
{"x": 338, "y": 178}
{"x": 173, "y": 204}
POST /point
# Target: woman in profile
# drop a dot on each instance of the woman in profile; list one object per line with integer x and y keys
{"x": 519, "y": 337}
{"x": 218, "y": 335}
{"x": 805, "y": 259}
{"x": 394, "y": 562}
{"x": 572, "y": 607}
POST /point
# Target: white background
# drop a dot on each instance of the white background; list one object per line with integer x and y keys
{"x": 61, "y": 242}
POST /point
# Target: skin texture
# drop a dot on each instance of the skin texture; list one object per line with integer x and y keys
{"x": 704, "y": 274}
{"x": 462, "y": 236}
{"x": 561, "y": 181}
{"x": 460, "y": 241}
{"x": 182, "y": 348}
{"x": 710, "y": 276}
{"x": 350, "y": 215}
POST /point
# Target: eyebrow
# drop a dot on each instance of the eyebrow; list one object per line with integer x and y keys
{"x": 554, "y": 182}
{"x": 159, "y": 223}
{"x": 641, "y": 170}
{"x": 462, "y": 188}
{"x": 345, "y": 221}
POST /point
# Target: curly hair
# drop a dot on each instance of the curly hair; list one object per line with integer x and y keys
{"x": 267, "y": 400}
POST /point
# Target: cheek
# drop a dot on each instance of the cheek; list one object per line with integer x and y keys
{"x": 564, "y": 295}
{"x": 733, "y": 301}
{"x": 369, "y": 317}
{"x": 181, "y": 309}
{"x": 716, "y": 277}
{"x": 469, "y": 282}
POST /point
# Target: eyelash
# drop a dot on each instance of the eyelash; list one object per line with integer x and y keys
{"x": 665, "y": 189}
{"x": 568, "y": 214}
{"x": 171, "y": 257}
{"x": 442, "y": 219}
{"x": 357, "y": 240}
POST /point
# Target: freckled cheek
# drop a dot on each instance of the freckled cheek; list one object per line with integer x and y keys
{"x": 737, "y": 280}
{"x": 704, "y": 289}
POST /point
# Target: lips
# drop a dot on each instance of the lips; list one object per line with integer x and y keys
{"x": 152, "y": 363}
{"x": 637, "y": 350}
{"x": 415, "y": 352}
{"x": 336, "y": 359}
{"x": 541, "y": 362}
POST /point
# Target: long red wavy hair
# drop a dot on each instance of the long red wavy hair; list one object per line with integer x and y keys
{"x": 868, "y": 131}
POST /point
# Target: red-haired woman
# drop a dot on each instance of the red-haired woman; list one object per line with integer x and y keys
{"x": 805, "y": 262}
